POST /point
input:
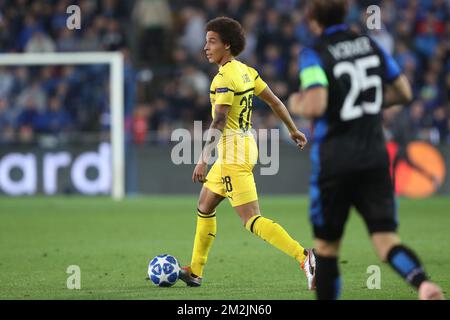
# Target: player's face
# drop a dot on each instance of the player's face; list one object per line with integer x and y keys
{"x": 214, "y": 48}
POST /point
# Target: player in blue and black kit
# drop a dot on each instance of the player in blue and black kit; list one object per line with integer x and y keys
{"x": 346, "y": 80}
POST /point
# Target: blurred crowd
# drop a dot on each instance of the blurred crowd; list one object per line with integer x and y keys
{"x": 168, "y": 77}
{"x": 61, "y": 103}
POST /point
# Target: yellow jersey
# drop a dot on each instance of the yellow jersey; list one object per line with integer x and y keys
{"x": 235, "y": 85}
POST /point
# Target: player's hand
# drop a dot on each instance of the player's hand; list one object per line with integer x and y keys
{"x": 299, "y": 138}
{"x": 199, "y": 174}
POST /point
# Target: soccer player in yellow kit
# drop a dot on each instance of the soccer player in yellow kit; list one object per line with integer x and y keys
{"x": 231, "y": 93}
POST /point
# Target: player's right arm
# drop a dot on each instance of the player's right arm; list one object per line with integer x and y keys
{"x": 214, "y": 134}
{"x": 224, "y": 94}
{"x": 311, "y": 102}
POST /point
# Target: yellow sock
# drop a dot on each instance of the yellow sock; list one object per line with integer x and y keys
{"x": 274, "y": 234}
{"x": 204, "y": 237}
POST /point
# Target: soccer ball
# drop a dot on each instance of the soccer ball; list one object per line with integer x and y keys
{"x": 164, "y": 270}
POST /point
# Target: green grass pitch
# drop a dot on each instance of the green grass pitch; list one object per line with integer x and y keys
{"x": 113, "y": 242}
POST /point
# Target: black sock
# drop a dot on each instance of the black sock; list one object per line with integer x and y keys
{"x": 328, "y": 280}
{"x": 407, "y": 264}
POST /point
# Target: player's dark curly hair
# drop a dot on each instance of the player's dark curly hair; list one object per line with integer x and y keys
{"x": 230, "y": 32}
{"x": 327, "y": 12}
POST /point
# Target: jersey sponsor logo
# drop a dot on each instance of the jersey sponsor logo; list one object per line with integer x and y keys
{"x": 245, "y": 78}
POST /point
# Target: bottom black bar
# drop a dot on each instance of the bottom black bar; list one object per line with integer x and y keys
{"x": 225, "y": 309}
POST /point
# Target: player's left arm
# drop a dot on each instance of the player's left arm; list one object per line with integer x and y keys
{"x": 398, "y": 92}
{"x": 281, "y": 111}
{"x": 396, "y": 87}
{"x": 214, "y": 134}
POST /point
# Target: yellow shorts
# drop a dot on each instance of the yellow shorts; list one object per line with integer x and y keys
{"x": 231, "y": 175}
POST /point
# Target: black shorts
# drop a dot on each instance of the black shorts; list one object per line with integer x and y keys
{"x": 370, "y": 191}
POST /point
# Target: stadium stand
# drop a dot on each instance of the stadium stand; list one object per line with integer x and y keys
{"x": 167, "y": 76}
